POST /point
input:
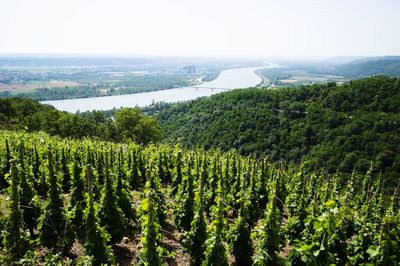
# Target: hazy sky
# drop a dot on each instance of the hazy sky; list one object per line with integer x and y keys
{"x": 201, "y": 27}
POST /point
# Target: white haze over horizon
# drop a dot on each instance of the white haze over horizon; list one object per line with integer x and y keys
{"x": 202, "y": 27}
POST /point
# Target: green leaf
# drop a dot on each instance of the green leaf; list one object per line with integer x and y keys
{"x": 330, "y": 204}
{"x": 373, "y": 251}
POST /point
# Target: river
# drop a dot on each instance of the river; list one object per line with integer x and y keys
{"x": 228, "y": 79}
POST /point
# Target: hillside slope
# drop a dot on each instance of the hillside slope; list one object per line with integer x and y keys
{"x": 342, "y": 127}
{"x": 389, "y": 66}
{"x": 99, "y": 203}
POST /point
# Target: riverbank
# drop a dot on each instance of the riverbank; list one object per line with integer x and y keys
{"x": 227, "y": 80}
{"x": 265, "y": 81}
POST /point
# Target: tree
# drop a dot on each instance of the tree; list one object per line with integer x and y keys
{"x": 148, "y": 130}
{"x": 132, "y": 124}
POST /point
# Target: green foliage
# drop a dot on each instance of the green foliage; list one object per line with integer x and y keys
{"x": 197, "y": 236}
{"x": 132, "y": 124}
{"x": 242, "y": 246}
{"x": 211, "y": 188}
{"x": 111, "y": 215}
{"x": 96, "y": 236}
{"x": 135, "y": 178}
{"x": 179, "y": 175}
{"x": 77, "y": 203}
{"x": 157, "y": 196}
{"x": 321, "y": 123}
{"x": 39, "y": 175}
{"x": 28, "y": 199}
{"x": 325, "y": 244}
{"x": 296, "y": 217}
{"x": 124, "y": 198}
{"x": 54, "y": 227}
{"x": 150, "y": 252}
{"x": 129, "y": 124}
{"x": 388, "y": 240}
{"x": 15, "y": 240}
{"x": 215, "y": 252}
{"x": 268, "y": 247}
{"x": 66, "y": 176}
{"x": 185, "y": 209}
{"x": 5, "y": 167}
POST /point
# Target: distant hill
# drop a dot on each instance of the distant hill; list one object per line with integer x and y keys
{"x": 344, "y": 127}
{"x": 388, "y": 65}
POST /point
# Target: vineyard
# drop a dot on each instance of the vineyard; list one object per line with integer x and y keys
{"x": 70, "y": 202}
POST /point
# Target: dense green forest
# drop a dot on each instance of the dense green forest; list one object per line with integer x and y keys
{"x": 84, "y": 202}
{"x": 337, "y": 127}
{"x": 126, "y": 124}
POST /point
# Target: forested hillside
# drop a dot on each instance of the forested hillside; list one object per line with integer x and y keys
{"x": 336, "y": 127}
{"x": 385, "y": 65}
{"x": 126, "y": 124}
{"x": 70, "y": 202}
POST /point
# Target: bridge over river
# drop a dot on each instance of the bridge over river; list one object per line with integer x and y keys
{"x": 211, "y": 88}
{"x": 227, "y": 80}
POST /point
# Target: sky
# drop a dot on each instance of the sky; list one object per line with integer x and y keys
{"x": 201, "y": 27}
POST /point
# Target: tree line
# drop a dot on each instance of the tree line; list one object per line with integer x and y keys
{"x": 125, "y": 124}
